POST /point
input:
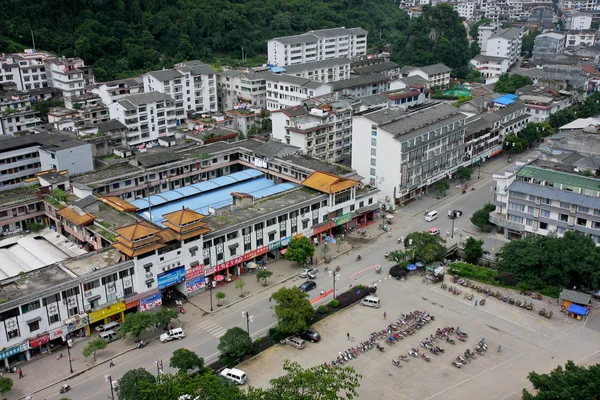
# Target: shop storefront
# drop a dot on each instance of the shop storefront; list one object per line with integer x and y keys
{"x": 151, "y": 302}
{"x": 57, "y": 336}
{"x": 112, "y": 313}
{"x": 16, "y": 353}
{"x": 194, "y": 280}
{"x": 39, "y": 345}
{"x": 235, "y": 266}
{"x": 364, "y": 216}
{"x": 77, "y": 326}
{"x": 320, "y": 231}
{"x": 169, "y": 279}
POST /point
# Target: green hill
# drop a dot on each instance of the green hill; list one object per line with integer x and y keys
{"x": 125, "y": 37}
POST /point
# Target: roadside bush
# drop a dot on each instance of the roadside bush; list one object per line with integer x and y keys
{"x": 334, "y": 303}
{"x": 551, "y": 291}
{"x": 323, "y": 309}
{"x": 506, "y": 278}
{"x": 276, "y": 335}
{"x": 523, "y": 286}
{"x": 352, "y": 295}
{"x": 475, "y": 272}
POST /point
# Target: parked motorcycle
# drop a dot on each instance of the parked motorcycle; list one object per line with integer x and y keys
{"x": 456, "y": 364}
{"x": 424, "y": 357}
{"x": 451, "y": 341}
{"x": 358, "y": 258}
{"x": 396, "y": 363}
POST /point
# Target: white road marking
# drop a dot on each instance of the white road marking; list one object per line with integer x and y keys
{"x": 212, "y": 327}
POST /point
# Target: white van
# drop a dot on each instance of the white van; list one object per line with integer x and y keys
{"x": 371, "y": 301}
{"x": 111, "y": 326}
{"x": 109, "y": 336}
{"x": 234, "y": 375}
{"x": 431, "y": 215}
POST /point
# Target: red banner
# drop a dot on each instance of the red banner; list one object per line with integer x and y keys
{"x": 326, "y": 226}
{"x": 134, "y": 304}
{"x": 194, "y": 272}
{"x": 249, "y": 255}
{"x": 39, "y": 341}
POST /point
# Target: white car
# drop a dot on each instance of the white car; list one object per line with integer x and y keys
{"x": 176, "y": 333}
{"x": 309, "y": 273}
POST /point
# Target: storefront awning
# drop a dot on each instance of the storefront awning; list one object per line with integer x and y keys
{"x": 577, "y": 310}
{"x": 92, "y": 298}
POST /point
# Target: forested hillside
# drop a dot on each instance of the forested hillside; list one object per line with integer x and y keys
{"x": 124, "y": 37}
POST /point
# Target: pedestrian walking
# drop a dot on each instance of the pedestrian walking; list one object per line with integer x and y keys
{"x": 112, "y": 364}
{"x": 20, "y": 373}
{"x": 475, "y": 303}
{"x": 384, "y": 315}
{"x": 342, "y": 236}
{"x": 348, "y": 334}
{"x": 389, "y": 233}
{"x": 499, "y": 348}
{"x": 458, "y": 329}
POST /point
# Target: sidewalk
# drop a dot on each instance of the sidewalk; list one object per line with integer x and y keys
{"x": 47, "y": 370}
{"x": 283, "y": 271}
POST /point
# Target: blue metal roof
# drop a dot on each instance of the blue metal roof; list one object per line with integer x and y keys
{"x": 197, "y": 188}
{"x": 577, "y": 310}
{"x": 505, "y": 100}
{"x": 277, "y": 70}
{"x": 511, "y": 96}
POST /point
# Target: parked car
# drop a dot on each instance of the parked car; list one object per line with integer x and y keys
{"x": 295, "y": 341}
{"x": 309, "y": 273}
{"x": 310, "y": 335}
{"x": 176, "y": 333}
{"x": 308, "y": 285}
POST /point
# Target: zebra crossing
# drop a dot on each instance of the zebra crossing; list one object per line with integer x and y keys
{"x": 213, "y": 328}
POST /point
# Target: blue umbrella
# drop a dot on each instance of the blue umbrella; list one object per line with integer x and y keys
{"x": 411, "y": 267}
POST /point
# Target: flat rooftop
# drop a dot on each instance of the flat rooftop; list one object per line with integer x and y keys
{"x": 34, "y": 281}
{"x": 106, "y": 257}
{"x": 105, "y": 174}
{"x": 569, "y": 179}
{"x": 226, "y": 217}
{"x": 211, "y": 194}
{"x": 19, "y": 195}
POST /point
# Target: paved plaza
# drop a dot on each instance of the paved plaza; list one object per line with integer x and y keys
{"x": 529, "y": 342}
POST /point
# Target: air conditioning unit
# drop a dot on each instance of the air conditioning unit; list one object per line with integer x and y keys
{"x": 87, "y": 307}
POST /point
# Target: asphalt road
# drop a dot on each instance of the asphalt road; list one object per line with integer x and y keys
{"x": 202, "y": 336}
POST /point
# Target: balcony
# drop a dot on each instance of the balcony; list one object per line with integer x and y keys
{"x": 500, "y": 220}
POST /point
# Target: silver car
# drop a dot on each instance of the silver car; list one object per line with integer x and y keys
{"x": 309, "y": 273}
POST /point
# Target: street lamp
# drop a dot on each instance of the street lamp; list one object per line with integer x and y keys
{"x": 460, "y": 238}
{"x": 209, "y": 283}
{"x": 249, "y": 318}
{"x": 335, "y": 277}
{"x": 69, "y": 343}
{"x": 112, "y": 385}
{"x": 453, "y": 217}
{"x": 159, "y": 367}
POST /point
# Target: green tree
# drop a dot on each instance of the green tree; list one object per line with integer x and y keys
{"x": 441, "y": 187}
{"x": 263, "y": 274}
{"x": 397, "y": 256}
{"x": 239, "y": 284}
{"x": 510, "y": 83}
{"x": 565, "y": 383}
{"x": 220, "y": 296}
{"x": 6, "y": 385}
{"x": 515, "y": 144}
{"x": 473, "y": 249}
{"x": 534, "y": 132}
{"x": 43, "y": 107}
{"x": 315, "y": 383}
{"x": 235, "y": 343}
{"x": 299, "y": 250}
{"x": 464, "y": 173}
{"x": 292, "y": 309}
{"x": 129, "y": 386}
{"x": 528, "y": 41}
{"x": 202, "y": 386}
{"x": 421, "y": 246}
{"x": 165, "y": 315}
{"x": 137, "y": 323}
{"x": 93, "y": 346}
{"x": 481, "y": 217}
{"x": 185, "y": 360}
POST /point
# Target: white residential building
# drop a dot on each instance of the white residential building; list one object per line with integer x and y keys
{"x": 548, "y": 44}
{"x": 578, "y": 21}
{"x": 404, "y": 152}
{"x": 239, "y": 89}
{"x": 484, "y": 32}
{"x": 362, "y": 86}
{"x": 435, "y": 75}
{"x": 17, "y": 115}
{"x": 317, "y": 45}
{"x": 66, "y": 75}
{"x": 577, "y": 38}
{"x": 578, "y": 5}
{"x": 330, "y": 70}
{"x": 147, "y": 116}
{"x": 490, "y": 67}
{"x": 192, "y": 85}
{"x": 27, "y": 70}
{"x": 506, "y": 43}
{"x": 541, "y": 101}
{"x": 113, "y": 91}
{"x": 284, "y": 91}
{"x": 465, "y": 9}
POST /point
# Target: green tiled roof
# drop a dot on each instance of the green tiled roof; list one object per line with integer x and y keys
{"x": 561, "y": 178}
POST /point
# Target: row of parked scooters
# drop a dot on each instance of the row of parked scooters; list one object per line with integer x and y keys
{"x": 353, "y": 352}
{"x": 469, "y": 355}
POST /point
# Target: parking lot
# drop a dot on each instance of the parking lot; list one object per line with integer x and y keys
{"x": 529, "y": 342}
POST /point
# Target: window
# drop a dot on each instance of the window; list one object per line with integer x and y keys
{"x": 373, "y": 152}
{"x": 233, "y": 250}
{"x": 373, "y": 133}
{"x": 271, "y": 221}
{"x": 232, "y": 235}
{"x": 532, "y": 197}
{"x": 515, "y": 218}
{"x": 581, "y": 221}
{"x": 515, "y": 206}
{"x": 561, "y": 229}
{"x": 373, "y": 142}
{"x": 543, "y": 225}
{"x": 518, "y": 195}
{"x": 258, "y": 227}
{"x": 373, "y": 161}
{"x": 546, "y": 201}
{"x": 54, "y": 318}
{"x": 564, "y": 205}
{"x": 545, "y": 213}
{"x": 34, "y": 326}
{"x": 373, "y": 172}
{"x": 34, "y": 305}
{"x": 563, "y": 217}
{"x": 91, "y": 285}
{"x": 584, "y": 210}
{"x": 530, "y": 210}
{"x": 528, "y": 222}
{"x": 271, "y": 236}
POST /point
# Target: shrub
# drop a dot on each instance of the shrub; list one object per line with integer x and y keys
{"x": 323, "y": 309}
{"x": 506, "y": 278}
{"x": 551, "y": 291}
{"x": 334, "y": 303}
{"x": 276, "y": 335}
{"x": 475, "y": 272}
{"x": 258, "y": 341}
{"x": 352, "y": 295}
{"x": 523, "y": 286}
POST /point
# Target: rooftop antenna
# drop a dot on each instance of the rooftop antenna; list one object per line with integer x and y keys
{"x": 33, "y": 39}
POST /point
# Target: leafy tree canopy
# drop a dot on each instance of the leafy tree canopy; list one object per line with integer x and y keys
{"x": 464, "y": 173}
{"x": 299, "y": 250}
{"x": 510, "y": 83}
{"x": 473, "y": 249}
{"x": 93, "y": 346}
{"x": 264, "y": 275}
{"x": 292, "y": 309}
{"x": 129, "y": 386}
{"x": 6, "y": 385}
{"x": 137, "y": 323}
{"x": 184, "y": 360}
{"x": 421, "y": 246}
{"x": 573, "y": 382}
{"x": 589, "y": 108}
{"x": 235, "y": 342}
{"x": 481, "y": 218}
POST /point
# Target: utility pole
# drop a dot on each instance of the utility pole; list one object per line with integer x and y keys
{"x": 209, "y": 283}
{"x": 334, "y": 274}
{"x": 108, "y": 379}
{"x": 249, "y": 318}
{"x": 69, "y": 342}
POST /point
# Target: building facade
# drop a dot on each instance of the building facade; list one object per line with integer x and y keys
{"x": 490, "y": 66}
{"x": 239, "y": 89}
{"x": 580, "y": 38}
{"x": 506, "y": 43}
{"x": 484, "y": 32}
{"x": 328, "y": 70}
{"x": 548, "y": 44}
{"x": 284, "y": 91}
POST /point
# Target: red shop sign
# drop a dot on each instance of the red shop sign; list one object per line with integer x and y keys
{"x": 323, "y": 227}
{"x": 39, "y": 341}
{"x": 194, "y": 272}
{"x": 245, "y": 257}
{"x": 133, "y": 304}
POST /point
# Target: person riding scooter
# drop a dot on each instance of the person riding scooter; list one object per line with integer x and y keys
{"x": 358, "y": 257}
{"x": 65, "y": 388}
{"x": 386, "y": 254}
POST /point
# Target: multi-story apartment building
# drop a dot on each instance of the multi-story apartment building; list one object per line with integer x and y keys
{"x": 238, "y": 89}
{"x": 465, "y": 9}
{"x": 16, "y": 114}
{"x": 577, "y": 21}
{"x": 148, "y": 116}
{"x": 542, "y": 199}
{"x": 506, "y": 43}
{"x": 317, "y": 45}
{"x": 579, "y": 38}
{"x": 408, "y": 150}
{"x": 362, "y": 86}
{"x": 113, "y": 91}
{"x": 191, "y": 84}
{"x": 483, "y": 137}
{"x": 578, "y": 5}
{"x": 377, "y": 66}
{"x": 513, "y": 118}
{"x": 27, "y": 70}
{"x": 490, "y": 67}
{"x": 484, "y": 32}
{"x": 284, "y": 91}
{"x": 548, "y": 44}
{"x": 543, "y": 17}
{"x": 541, "y": 102}
{"x": 328, "y": 70}
{"x": 66, "y": 75}
{"x": 435, "y": 75}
